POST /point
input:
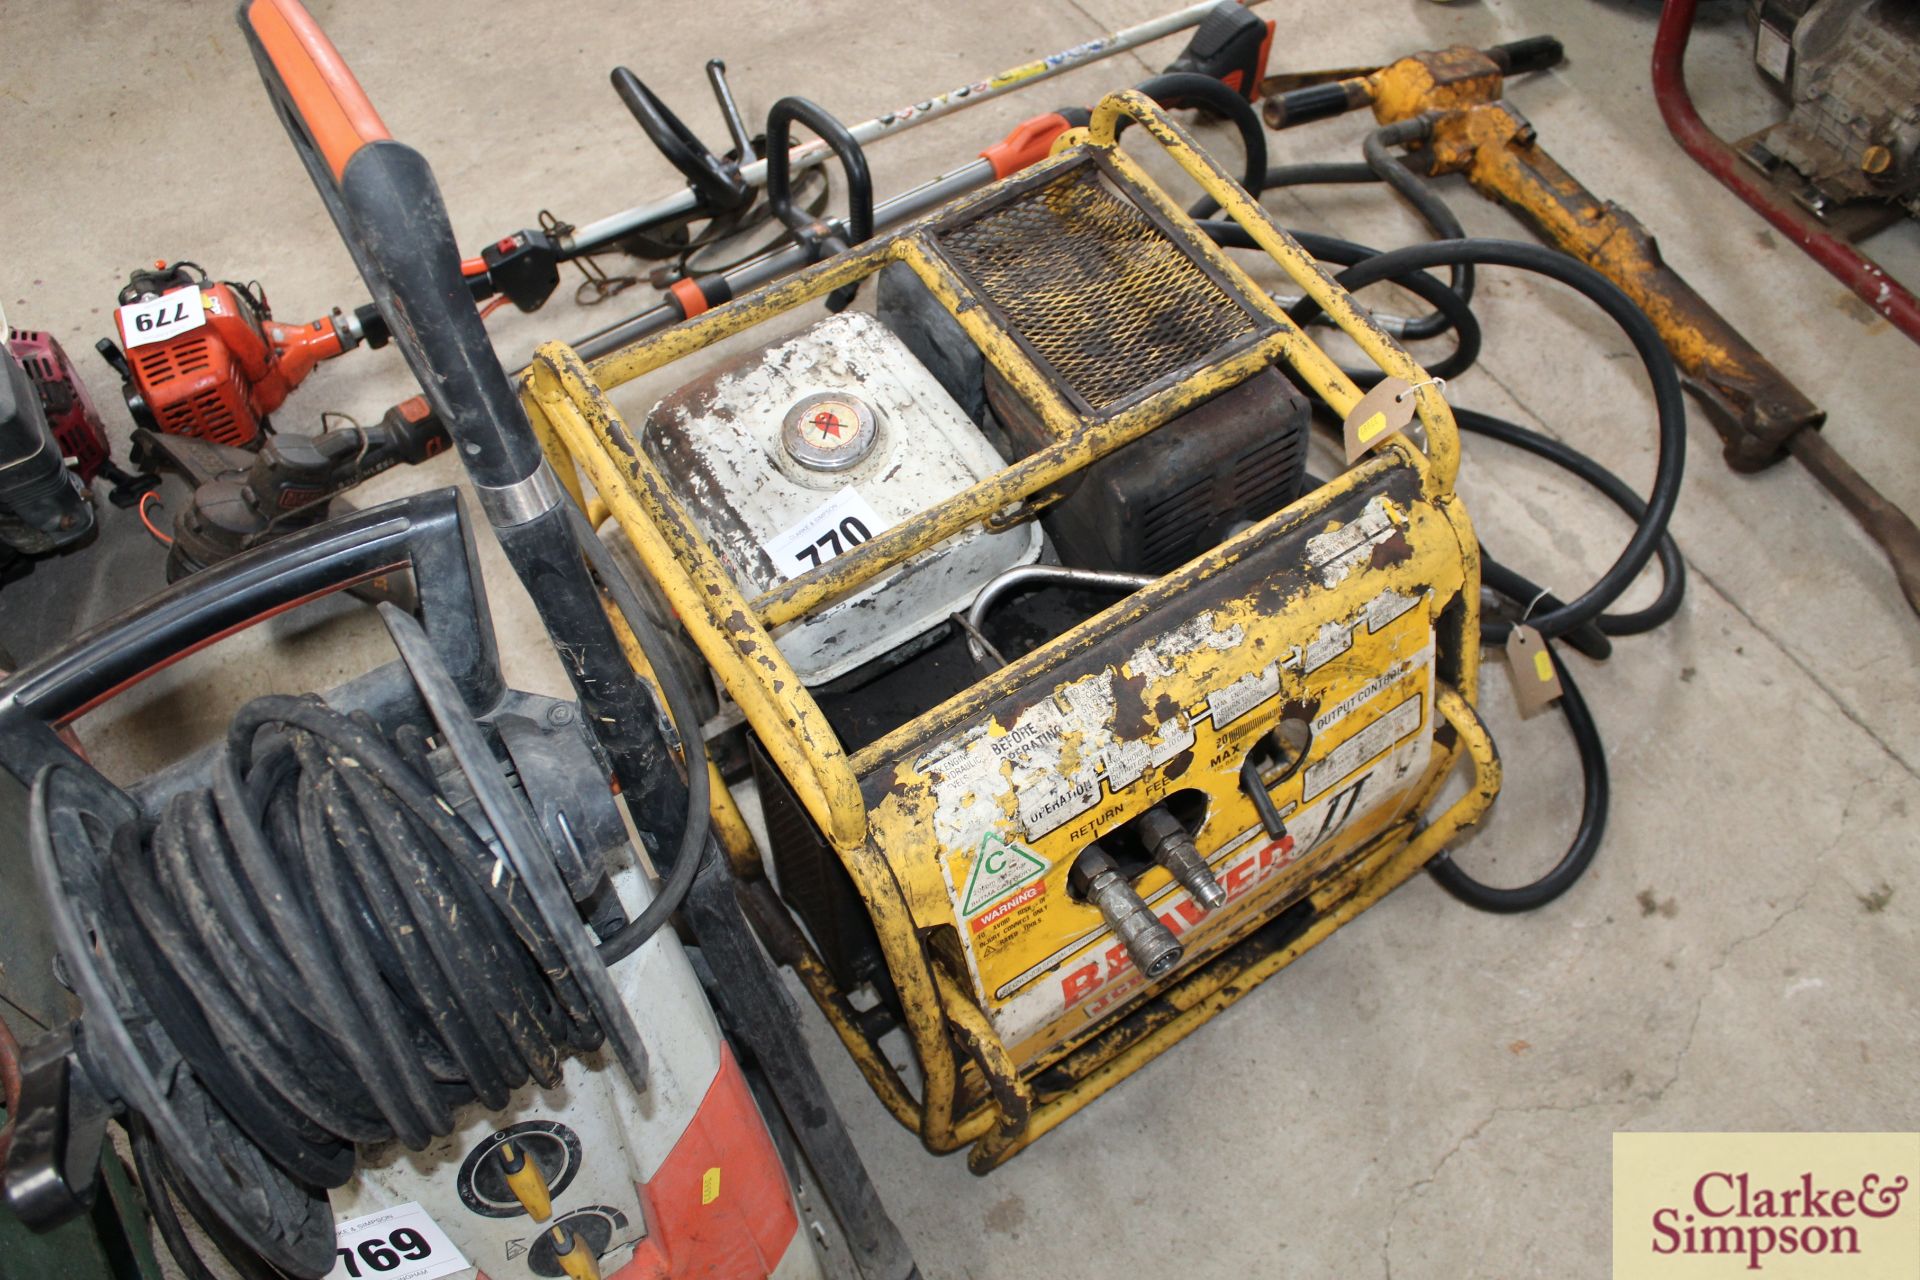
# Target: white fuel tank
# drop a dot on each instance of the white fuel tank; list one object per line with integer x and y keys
{"x": 810, "y": 447}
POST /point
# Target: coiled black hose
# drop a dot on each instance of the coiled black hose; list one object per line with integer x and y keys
{"x": 1178, "y": 89}
{"x": 339, "y": 957}
{"x": 1451, "y": 309}
{"x": 1673, "y": 568}
{"x": 1595, "y": 795}
{"x": 1669, "y": 405}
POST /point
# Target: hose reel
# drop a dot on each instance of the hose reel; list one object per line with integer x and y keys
{"x": 336, "y": 927}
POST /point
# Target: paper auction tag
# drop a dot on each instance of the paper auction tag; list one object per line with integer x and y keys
{"x": 1536, "y": 684}
{"x": 1381, "y": 414}
{"x": 158, "y": 319}
{"x": 837, "y": 526}
{"x": 401, "y": 1243}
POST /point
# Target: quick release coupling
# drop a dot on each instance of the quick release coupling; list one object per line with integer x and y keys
{"x": 1171, "y": 845}
{"x": 1097, "y": 880}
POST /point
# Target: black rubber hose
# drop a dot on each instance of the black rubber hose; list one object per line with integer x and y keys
{"x": 1448, "y": 305}
{"x": 1587, "y": 638}
{"x": 1324, "y": 173}
{"x": 1426, "y": 202}
{"x": 338, "y": 956}
{"x": 1178, "y": 89}
{"x": 1595, "y": 796}
{"x": 1320, "y": 173}
{"x": 1433, "y": 211}
{"x": 1669, "y": 404}
{"x": 686, "y": 724}
{"x": 1673, "y": 568}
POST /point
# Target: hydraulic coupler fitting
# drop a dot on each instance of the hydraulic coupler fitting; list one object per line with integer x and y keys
{"x": 1151, "y": 944}
{"x": 1170, "y": 844}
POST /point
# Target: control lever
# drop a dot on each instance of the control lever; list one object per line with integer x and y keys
{"x": 1258, "y": 787}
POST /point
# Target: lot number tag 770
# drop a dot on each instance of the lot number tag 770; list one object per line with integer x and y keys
{"x": 834, "y": 528}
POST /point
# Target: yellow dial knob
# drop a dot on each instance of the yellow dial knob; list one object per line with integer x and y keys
{"x": 575, "y": 1258}
{"x": 528, "y": 1184}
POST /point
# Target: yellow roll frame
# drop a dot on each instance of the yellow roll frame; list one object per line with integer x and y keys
{"x": 567, "y": 400}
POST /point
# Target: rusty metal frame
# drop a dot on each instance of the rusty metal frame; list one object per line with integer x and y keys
{"x": 568, "y": 402}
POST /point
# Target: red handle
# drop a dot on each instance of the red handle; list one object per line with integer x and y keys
{"x": 331, "y": 103}
{"x": 1029, "y": 143}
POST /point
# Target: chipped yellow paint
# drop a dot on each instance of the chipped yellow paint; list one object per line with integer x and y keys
{"x": 1390, "y": 528}
{"x": 1475, "y": 132}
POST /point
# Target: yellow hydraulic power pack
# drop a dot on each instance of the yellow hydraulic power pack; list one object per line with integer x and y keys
{"x": 1066, "y": 838}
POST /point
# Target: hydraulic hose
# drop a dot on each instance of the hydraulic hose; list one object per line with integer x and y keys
{"x": 1673, "y": 568}
{"x": 1453, "y": 311}
{"x": 1434, "y": 211}
{"x": 1583, "y": 623}
{"x": 1178, "y": 89}
{"x": 686, "y": 724}
{"x": 1669, "y": 406}
{"x": 1595, "y": 794}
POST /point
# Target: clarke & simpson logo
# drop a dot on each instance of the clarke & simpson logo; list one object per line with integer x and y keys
{"x": 1801, "y": 1206}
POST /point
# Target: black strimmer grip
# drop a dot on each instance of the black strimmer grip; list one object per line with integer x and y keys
{"x": 1230, "y": 45}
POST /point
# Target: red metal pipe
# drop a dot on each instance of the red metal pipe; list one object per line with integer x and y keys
{"x": 9, "y": 1087}
{"x": 1857, "y": 271}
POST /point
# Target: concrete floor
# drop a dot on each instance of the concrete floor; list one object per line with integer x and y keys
{"x": 1433, "y": 1092}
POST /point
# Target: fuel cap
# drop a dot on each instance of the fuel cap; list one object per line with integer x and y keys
{"x": 829, "y": 431}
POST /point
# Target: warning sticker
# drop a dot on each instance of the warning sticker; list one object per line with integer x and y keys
{"x": 994, "y": 915}
{"x": 999, "y": 868}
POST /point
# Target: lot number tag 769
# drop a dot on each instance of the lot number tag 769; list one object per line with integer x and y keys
{"x": 402, "y": 1243}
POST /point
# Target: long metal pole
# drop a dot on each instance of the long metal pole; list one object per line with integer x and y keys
{"x": 900, "y": 119}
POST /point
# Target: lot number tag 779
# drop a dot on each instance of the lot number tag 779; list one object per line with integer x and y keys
{"x": 158, "y": 319}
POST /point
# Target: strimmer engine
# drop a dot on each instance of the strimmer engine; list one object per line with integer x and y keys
{"x": 206, "y": 358}
{"x": 51, "y": 446}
